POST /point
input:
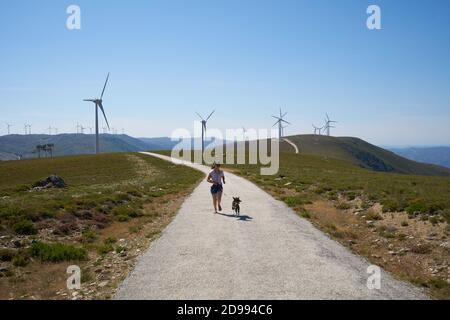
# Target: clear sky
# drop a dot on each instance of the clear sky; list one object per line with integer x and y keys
{"x": 245, "y": 58}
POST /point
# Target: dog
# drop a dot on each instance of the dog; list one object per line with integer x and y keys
{"x": 236, "y": 205}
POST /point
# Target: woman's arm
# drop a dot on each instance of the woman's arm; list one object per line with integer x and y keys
{"x": 210, "y": 179}
{"x": 223, "y": 177}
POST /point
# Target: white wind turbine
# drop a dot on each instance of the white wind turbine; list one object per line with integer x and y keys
{"x": 328, "y": 124}
{"x": 280, "y": 121}
{"x": 317, "y": 130}
{"x": 9, "y": 127}
{"x": 99, "y": 105}
{"x": 204, "y": 122}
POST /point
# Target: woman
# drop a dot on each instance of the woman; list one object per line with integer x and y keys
{"x": 216, "y": 177}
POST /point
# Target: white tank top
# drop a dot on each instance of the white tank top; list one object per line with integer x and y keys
{"x": 217, "y": 176}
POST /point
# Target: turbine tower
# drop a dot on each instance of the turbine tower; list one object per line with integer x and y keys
{"x": 9, "y": 127}
{"x": 27, "y": 128}
{"x": 317, "y": 130}
{"x": 204, "y": 122}
{"x": 99, "y": 105}
{"x": 280, "y": 121}
{"x": 328, "y": 124}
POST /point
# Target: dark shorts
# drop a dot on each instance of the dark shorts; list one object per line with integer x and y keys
{"x": 216, "y": 188}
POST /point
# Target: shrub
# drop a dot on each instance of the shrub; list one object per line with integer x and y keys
{"x": 57, "y": 252}
{"x": 343, "y": 205}
{"x": 306, "y": 215}
{"x": 405, "y": 224}
{"x": 126, "y": 211}
{"x": 434, "y": 220}
{"x": 7, "y": 255}
{"x": 89, "y": 236}
{"x": 110, "y": 240}
{"x": 105, "y": 248}
{"x": 65, "y": 228}
{"x": 294, "y": 201}
{"x": 416, "y": 208}
{"x": 20, "y": 261}
{"x": 373, "y": 215}
{"x": 421, "y": 248}
{"x": 351, "y": 195}
{"x": 24, "y": 227}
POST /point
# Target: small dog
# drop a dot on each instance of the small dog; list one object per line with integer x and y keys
{"x": 235, "y": 206}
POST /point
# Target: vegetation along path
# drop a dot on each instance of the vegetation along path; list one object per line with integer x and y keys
{"x": 268, "y": 252}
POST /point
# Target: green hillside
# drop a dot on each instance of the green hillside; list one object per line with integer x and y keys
{"x": 361, "y": 153}
{"x": 127, "y": 196}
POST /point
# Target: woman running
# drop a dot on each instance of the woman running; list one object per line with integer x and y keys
{"x": 216, "y": 177}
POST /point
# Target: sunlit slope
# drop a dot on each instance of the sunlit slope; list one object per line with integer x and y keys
{"x": 361, "y": 153}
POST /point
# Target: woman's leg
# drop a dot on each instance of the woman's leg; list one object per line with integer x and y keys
{"x": 214, "y": 195}
{"x": 219, "y": 200}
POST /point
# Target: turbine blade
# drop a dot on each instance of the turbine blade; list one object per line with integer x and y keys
{"x": 200, "y": 116}
{"x": 210, "y": 115}
{"x": 276, "y": 118}
{"x": 90, "y": 100}
{"x": 276, "y": 123}
{"x": 100, "y": 105}
{"x": 285, "y": 121}
{"x": 106, "y": 82}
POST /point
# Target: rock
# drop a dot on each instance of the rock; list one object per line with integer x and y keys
{"x": 52, "y": 181}
{"x": 17, "y": 244}
{"x": 103, "y": 284}
{"x": 391, "y": 246}
{"x": 445, "y": 246}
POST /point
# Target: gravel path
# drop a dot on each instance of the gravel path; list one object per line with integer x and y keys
{"x": 292, "y": 144}
{"x": 267, "y": 253}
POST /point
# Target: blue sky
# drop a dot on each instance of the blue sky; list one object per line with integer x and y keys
{"x": 244, "y": 58}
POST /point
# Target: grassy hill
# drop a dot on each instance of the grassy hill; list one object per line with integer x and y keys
{"x": 397, "y": 221}
{"x": 361, "y": 153}
{"x": 126, "y": 196}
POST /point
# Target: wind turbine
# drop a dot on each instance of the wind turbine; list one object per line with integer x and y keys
{"x": 204, "y": 122}
{"x": 317, "y": 130}
{"x": 50, "y": 130}
{"x": 280, "y": 121}
{"x": 27, "y": 128}
{"x": 9, "y": 127}
{"x": 99, "y": 105}
{"x": 328, "y": 124}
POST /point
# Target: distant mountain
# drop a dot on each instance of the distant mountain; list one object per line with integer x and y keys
{"x": 361, "y": 153}
{"x": 166, "y": 143}
{"x": 434, "y": 155}
{"x": 162, "y": 143}
{"x": 11, "y": 146}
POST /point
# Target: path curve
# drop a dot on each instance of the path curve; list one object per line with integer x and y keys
{"x": 292, "y": 144}
{"x": 268, "y": 253}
